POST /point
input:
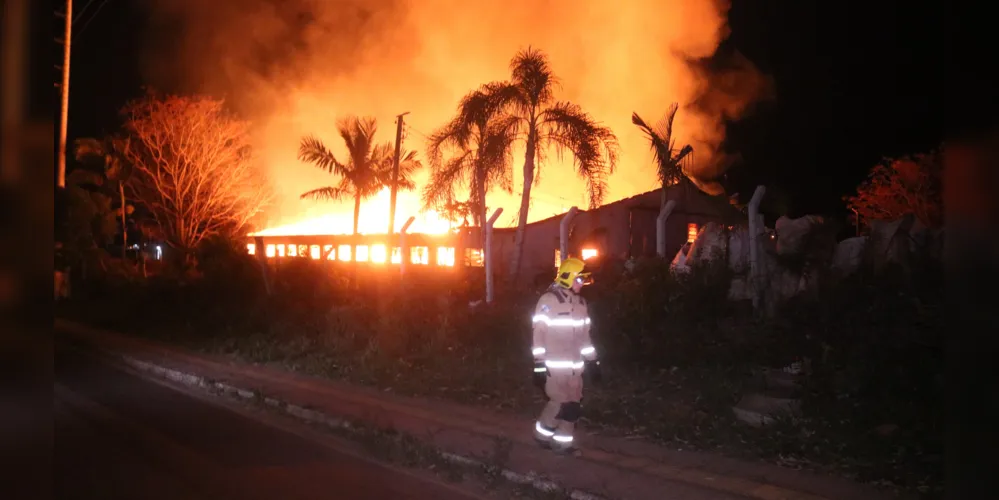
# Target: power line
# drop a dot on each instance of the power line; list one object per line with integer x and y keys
{"x": 79, "y": 15}
{"x": 92, "y": 17}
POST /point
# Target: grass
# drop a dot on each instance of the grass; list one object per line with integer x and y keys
{"x": 675, "y": 362}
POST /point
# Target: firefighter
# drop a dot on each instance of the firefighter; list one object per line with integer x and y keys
{"x": 562, "y": 351}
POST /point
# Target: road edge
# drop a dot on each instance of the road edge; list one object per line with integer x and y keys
{"x": 311, "y": 416}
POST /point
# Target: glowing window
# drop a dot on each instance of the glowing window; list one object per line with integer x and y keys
{"x": 445, "y": 256}
{"x": 588, "y": 253}
{"x": 474, "y": 257}
{"x": 330, "y": 252}
{"x": 396, "y": 255}
{"x": 344, "y": 253}
{"x": 378, "y": 253}
{"x": 292, "y": 250}
{"x": 269, "y": 250}
{"x": 691, "y": 232}
{"x": 303, "y": 250}
{"x": 362, "y": 253}
{"x": 280, "y": 250}
{"x": 558, "y": 257}
{"x": 251, "y": 248}
{"x": 314, "y": 252}
{"x": 419, "y": 255}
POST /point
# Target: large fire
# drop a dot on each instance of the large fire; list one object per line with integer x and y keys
{"x": 293, "y": 67}
{"x": 373, "y": 219}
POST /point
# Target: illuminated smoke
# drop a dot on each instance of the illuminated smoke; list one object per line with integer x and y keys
{"x": 293, "y": 67}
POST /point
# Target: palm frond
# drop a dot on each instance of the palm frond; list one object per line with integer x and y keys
{"x": 533, "y": 74}
{"x": 328, "y": 193}
{"x": 594, "y": 147}
{"x": 313, "y": 151}
{"x": 443, "y": 181}
{"x": 670, "y": 161}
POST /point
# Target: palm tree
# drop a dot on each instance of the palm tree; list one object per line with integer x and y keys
{"x": 671, "y": 163}
{"x": 479, "y": 139}
{"x": 368, "y": 168}
{"x": 543, "y": 123}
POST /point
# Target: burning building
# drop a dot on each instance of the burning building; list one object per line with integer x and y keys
{"x": 622, "y": 229}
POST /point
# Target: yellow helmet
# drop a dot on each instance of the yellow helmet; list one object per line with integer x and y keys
{"x": 570, "y": 270}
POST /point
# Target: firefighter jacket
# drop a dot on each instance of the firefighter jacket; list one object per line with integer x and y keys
{"x": 562, "y": 330}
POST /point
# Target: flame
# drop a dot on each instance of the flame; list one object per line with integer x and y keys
{"x": 379, "y": 58}
{"x": 374, "y": 216}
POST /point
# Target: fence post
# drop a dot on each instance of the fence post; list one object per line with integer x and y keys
{"x": 402, "y": 246}
{"x": 664, "y": 213}
{"x": 563, "y": 232}
{"x": 755, "y": 229}
{"x": 490, "y": 292}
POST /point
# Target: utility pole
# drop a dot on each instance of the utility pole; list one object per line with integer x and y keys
{"x": 67, "y": 38}
{"x": 395, "y": 172}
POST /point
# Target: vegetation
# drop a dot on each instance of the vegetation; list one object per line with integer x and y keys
{"x": 670, "y": 162}
{"x": 895, "y": 187}
{"x": 676, "y": 351}
{"x": 480, "y": 142}
{"x": 192, "y": 169}
{"x": 369, "y": 166}
{"x": 543, "y": 123}
{"x": 676, "y": 354}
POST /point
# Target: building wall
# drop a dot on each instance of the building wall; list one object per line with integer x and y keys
{"x": 621, "y": 229}
{"x": 625, "y": 228}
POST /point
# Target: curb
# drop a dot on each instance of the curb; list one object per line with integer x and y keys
{"x": 533, "y": 480}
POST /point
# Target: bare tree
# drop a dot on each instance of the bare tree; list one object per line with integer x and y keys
{"x": 896, "y": 187}
{"x": 192, "y": 169}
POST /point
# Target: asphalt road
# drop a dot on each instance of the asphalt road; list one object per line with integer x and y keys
{"x": 120, "y": 436}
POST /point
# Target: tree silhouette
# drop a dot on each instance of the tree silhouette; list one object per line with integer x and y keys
{"x": 544, "y": 123}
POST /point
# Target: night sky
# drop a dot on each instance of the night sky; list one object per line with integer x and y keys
{"x": 852, "y": 85}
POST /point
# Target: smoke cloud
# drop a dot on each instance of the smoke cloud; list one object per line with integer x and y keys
{"x": 293, "y": 67}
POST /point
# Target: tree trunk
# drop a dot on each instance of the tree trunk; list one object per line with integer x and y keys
{"x": 124, "y": 227}
{"x": 481, "y": 200}
{"x": 525, "y": 204}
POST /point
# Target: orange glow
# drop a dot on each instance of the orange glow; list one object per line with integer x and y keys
{"x": 269, "y": 251}
{"x": 330, "y": 72}
{"x": 343, "y": 253}
{"x": 292, "y": 251}
{"x": 588, "y": 253}
{"x": 280, "y": 250}
{"x": 419, "y": 255}
{"x": 475, "y": 257}
{"x": 691, "y": 232}
{"x": 330, "y": 253}
{"x": 396, "y": 255}
{"x": 314, "y": 252}
{"x": 362, "y": 253}
{"x": 378, "y": 253}
{"x": 445, "y": 256}
{"x": 373, "y": 220}
{"x": 251, "y": 248}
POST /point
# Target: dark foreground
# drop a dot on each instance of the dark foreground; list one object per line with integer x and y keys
{"x": 119, "y": 436}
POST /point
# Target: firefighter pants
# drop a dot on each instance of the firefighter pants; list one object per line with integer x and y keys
{"x": 564, "y": 388}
